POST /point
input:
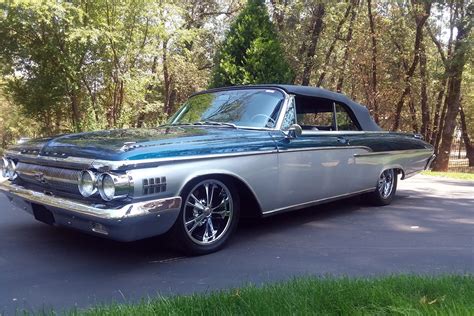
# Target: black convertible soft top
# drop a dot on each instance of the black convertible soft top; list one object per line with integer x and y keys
{"x": 360, "y": 112}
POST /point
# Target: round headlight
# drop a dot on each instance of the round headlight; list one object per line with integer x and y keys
{"x": 107, "y": 187}
{"x": 115, "y": 186}
{"x": 87, "y": 183}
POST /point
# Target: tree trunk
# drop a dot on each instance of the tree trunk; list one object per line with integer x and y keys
{"x": 425, "y": 109}
{"x": 279, "y": 13}
{"x": 340, "y": 81}
{"x": 166, "y": 77}
{"x": 373, "y": 105}
{"x": 333, "y": 44}
{"x": 439, "y": 116}
{"x": 420, "y": 18}
{"x": 76, "y": 113}
{"x": 441, "y": 125}
{"x": 414, "y": 120}
{"x": 456, "y": 67}
{"x": 317, "y": 27}
{"x": 436, "y": 120}
{"x": 452, "y": 102}
{"x": 467, "y": 140}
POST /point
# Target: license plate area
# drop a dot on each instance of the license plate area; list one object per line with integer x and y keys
{"x": 42, "y": 214}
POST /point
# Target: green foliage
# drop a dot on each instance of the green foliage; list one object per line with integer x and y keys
{"x": 95, "y": 64}
{"x": 13, "y": 123}
{"x": 87, "y": 65}
{"x": 394, "y": 295}
{"x": 251, "y": 52}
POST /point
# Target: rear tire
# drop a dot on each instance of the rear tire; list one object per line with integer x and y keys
{"x": 209, "y": 215}
{"x": 385, "y": 190}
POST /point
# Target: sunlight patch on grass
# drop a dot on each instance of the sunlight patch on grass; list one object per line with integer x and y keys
{"x": 451, "y": 175}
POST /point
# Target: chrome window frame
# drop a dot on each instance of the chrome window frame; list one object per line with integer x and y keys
{"x": 291, "y": 98}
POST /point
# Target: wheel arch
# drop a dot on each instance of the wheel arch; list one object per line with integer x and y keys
{"x": 398, "y": 169}
{"x": 249, "y": 204}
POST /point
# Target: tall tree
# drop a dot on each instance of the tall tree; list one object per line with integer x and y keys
{"x": 251, "y": 52}
{"x": 310, "y": 51}
{"x": 466, "y": 138}
{"x": 336, "y": 37}
{"x": 425, "y": 109}
{"x": 340, "y": 81}
{"x": 455, "y": 70}
{"x": 373, "y": 37}
{"x": 421, "y": 10}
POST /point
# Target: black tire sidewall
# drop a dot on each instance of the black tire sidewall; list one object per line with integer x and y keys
{"x": 185, "y": 242}
{"x": 377, "y": 199}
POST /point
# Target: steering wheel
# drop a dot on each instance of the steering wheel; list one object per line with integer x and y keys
{"x": 265, "y": 116}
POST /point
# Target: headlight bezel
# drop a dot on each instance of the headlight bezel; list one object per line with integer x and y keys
{"x": 122, "y": 186}
{"x": 3, "y": 167}
{"x": 8, "y": 169}
{"x": 80, "y": 183}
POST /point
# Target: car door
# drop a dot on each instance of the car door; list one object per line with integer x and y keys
{"x": 319, "y": 164}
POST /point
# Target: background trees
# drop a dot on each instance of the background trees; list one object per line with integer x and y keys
{"x": 84, "y": 64}
{"x": 251, "y": 51}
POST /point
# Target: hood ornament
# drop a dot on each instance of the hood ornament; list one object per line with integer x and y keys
{"x": 127, "y": 146}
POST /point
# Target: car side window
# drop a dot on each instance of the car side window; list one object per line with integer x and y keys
{"x": 315, "y": 114}
{"x": 290, "y": 116}
{"x": 344, "y": 120}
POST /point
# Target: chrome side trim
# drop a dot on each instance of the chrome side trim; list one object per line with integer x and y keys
{"x": 393, "y": 152}
{"x": 339, "y": 132}
{"x": 93, "y": 210}
{"x": 324, "y": 148}
{"x": 147, "y": 163}
{"x": 315, "y": 202}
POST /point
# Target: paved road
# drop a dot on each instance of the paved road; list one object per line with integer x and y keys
{"x": 428, "y": 229}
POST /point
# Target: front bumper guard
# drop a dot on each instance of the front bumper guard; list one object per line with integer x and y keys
{"x": 94, "y": 210}
{"x": 129, "y": 222}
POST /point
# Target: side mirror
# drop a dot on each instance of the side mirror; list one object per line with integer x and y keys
{"x": 294, "y": 131}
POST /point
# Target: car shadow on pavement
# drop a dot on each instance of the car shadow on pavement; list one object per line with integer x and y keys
{"x": 58, "y": 241}
{"x": 162, "y": 248}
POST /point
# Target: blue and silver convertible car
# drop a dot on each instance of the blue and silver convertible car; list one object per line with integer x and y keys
{"x": 227, "y": 153}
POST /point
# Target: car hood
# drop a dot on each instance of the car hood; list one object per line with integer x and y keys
{"x": 160, "y": 142}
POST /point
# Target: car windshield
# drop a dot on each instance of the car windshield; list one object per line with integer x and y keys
{"x": 257, "y": 108}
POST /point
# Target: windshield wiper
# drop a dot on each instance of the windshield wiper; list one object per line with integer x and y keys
{"x": 177, "y": 124}
{"x": 215, "y": 123}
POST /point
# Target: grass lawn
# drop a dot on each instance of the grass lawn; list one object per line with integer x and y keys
{"x": 452, "y": 175}
{"x": 396, "y": 295}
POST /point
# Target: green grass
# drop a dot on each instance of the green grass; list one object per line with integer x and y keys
{"x": 452, "y": 175}
{"x": 396, "y": 295}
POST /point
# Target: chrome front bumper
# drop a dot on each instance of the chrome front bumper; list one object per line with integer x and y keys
{"x": 129, "y": 222}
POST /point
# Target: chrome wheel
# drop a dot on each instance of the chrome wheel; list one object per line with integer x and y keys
{"x": 208, "y": 212}
{"x": 386, "y": 182}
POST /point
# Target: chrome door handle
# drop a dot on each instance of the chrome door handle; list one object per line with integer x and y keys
{"x": 342, "y": 140}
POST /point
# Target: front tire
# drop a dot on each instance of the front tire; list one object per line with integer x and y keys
{"x": 209, "y": 215}
{"x": 385, "y": 190}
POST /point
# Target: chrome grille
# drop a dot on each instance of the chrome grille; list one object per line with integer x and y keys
{"x": 49, "y": 177}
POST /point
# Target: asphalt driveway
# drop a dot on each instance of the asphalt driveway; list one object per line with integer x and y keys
{"x": 429, "y": 229}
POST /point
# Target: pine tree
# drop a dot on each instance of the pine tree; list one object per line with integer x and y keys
{"x": 251, "y": 52}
